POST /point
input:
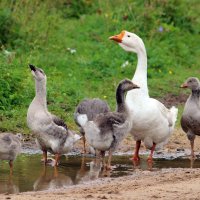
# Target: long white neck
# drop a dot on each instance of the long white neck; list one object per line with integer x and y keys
{"x": 140, "y": 76}
{"x": 41, "y": 96}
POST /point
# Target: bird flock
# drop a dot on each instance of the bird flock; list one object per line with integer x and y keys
{"x": 145, "y": 118}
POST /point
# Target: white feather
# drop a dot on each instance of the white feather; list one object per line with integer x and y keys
{"x": 82, "y": 119}
{"x": 152, "y": 122}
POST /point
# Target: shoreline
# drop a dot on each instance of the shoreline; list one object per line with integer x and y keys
{"x": 166, "y": 183}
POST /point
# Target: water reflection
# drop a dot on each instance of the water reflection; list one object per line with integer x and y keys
{"x": 51, "y": 179}
{"x": 30, "y": 174}
{"x": 140, "y": 165}
{"x": 9, "y": 186}
{"x": 85, "y": 174}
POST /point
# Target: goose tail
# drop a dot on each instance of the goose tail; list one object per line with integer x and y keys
{"x": 173, "y": 116}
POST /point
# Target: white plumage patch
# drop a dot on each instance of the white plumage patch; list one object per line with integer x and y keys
{"x": 76, "y": 137}
{"x": 82, "y": 119}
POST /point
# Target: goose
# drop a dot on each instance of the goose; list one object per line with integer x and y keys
{"x": 10, "y": 147}
{"x": 52, "y": 134}
{"x": 190, "y": 120}
{"x": 90, "y": 107}
{"x": 152, "y": 122}
{"x": 107, "y": 130}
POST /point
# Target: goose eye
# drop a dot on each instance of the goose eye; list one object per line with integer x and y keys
{"x": 128, "y": 36}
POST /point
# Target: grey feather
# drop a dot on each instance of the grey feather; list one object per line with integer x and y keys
{"x": 90, "y": 107}
{"x": 190, "y": 120}
{"x": 51, "y": 132}
{"x": 107, "y": 121}
{"x": 111, "y": 127}
{"x": 59, "y": 122}
{"x": 10, "y": 146}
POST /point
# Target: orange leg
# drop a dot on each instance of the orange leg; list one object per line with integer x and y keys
{"x": 55, "y": 172}
{"x": 102, "y": 156}
{"x": 137, "y": 148}
{"x": 150, "y": 158}
{"x": 57, "y": 157}
{"x": 109, "y": 160}
{"x": 11, "y": 166}
{"x": 84, "y": 148}
{"x": 192, "y": 149}
{"x": 45, "y": 156}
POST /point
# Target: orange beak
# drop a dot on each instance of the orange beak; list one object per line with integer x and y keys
{"x": 184, "y": 85}
{"x": 118, "y": 38}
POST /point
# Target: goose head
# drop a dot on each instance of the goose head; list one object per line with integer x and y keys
{"x": 37, "y": 73}
{"x": 129, "y": 41}
{"x": 126, "y": 85}
{"x": 191, "y": 83}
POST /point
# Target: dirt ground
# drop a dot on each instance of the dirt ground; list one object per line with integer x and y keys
{"x": 167, "y": 184}
{"x": 161, "y": 184}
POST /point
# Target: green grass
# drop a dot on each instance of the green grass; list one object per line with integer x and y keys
{"x": 40, "y": 32}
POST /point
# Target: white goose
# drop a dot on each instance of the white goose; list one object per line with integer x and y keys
{"x": 152, "y": 122}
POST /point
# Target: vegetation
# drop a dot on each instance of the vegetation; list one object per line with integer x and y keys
{"x": 44, "y": 33}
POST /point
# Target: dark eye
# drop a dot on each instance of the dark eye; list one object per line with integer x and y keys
{"x": 128, "y": 36}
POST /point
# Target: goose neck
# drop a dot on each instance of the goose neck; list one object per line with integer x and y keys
{"x": 120, "y": 98}
{"x": 140, "y": 76}
{"x": 141, "y": 68}
{"x": 41, "y": 92}
{"x": 196, "y": 93}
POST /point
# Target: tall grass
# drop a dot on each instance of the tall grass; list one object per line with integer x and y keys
{"x": 41, "y": 33}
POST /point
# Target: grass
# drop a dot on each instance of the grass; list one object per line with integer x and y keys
{"x": 41, "y": 33}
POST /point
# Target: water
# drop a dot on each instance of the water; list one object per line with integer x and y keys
{"x": 30, "y": 174}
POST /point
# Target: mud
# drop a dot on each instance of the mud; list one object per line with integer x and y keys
{"x": 141, "y": 183}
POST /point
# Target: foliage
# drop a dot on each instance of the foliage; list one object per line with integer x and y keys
{"x": 75, "y": 9}
{"x": 44, "y": 33}
{"x": 8, "y": 27}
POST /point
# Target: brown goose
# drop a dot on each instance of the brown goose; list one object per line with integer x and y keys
{"x": 107, "y": 130}
{"x": 190, "y": 120}
{"x": 90, "y": 107}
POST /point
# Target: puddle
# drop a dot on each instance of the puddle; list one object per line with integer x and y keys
{"x": 30, "y": 175}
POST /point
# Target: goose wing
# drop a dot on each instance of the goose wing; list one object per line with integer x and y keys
{"x": 51, "y": 126}
{"x": 120, "y": 131}
{"x": 109, "y": 119}
{"x": 57, "y": 132}
{"x": 59, "y": 121}
{"x": 169, "y": 114}
{"x": 92, "y": 107}
{"x": 189, "y": 123}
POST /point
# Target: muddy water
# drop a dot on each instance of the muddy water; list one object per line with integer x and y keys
{"x": 31, "y": 175}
